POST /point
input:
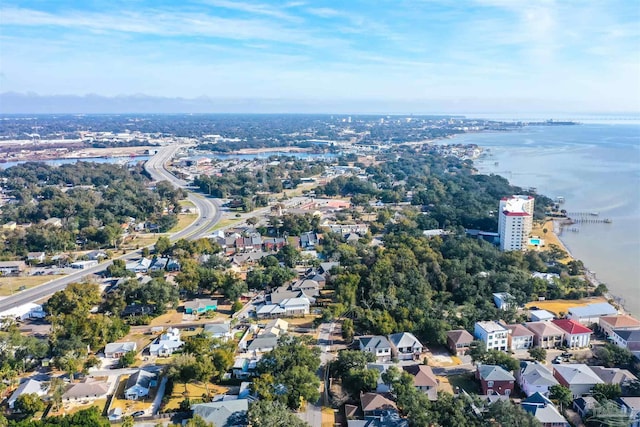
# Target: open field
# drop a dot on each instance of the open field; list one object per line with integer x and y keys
{"x": 183, "y": 221}
{"x": 142, "y": 240}
{"x": 562, "y": 305}
{"x": 72, "y": 408}
{"x": 227, "y": 222}
{"x": 194, "y": 391}
{"x": 11, "y": 285}
{"x": 170, "y": 317}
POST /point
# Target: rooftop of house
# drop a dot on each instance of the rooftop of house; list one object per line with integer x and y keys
{"x": 494, "y": 373}
{"x": 460, "y": 336}
{"x": 227, "y": 413}
{"x": 376, "y": 341}
{"x": 518, "y": 330}
{"x": 88, "y": 387}
{"x": 404, "y": 339}
{"x": 491, "y": 326}
{"x": 622, "y": 321}
{"x": 117, "y": 347}
{"x": 217, "y": 328}
{"x": 632, "y": 335}
{"x": 423, "y": 376}
{"x": 577, "y": 373}
{"x": 544, "y": 329}
{"x": 536, "y": 374}
{"x": 633, "y": 403}
{"x": 593, "y": 310}
{"x": 613, "y": 375}
{"x": 543, "y": 410}
{"x": 376, "y": 402}
{"x": 141, "y": 378}
{"x": 542, "y": 314}
{"x": 571, "y": 326}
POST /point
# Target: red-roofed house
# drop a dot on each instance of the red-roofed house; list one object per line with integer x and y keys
{"x": 575, "y": 335}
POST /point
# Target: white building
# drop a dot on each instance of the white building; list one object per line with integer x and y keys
{"x": 535, "y": 378}
{"x": 494, "y": 335}
{"x": 166, "y": 344}
{"x": 515, "y": 222}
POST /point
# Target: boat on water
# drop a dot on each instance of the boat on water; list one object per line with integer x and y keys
{"x": 594, "y": 213}
{"x": 560, "y": 199}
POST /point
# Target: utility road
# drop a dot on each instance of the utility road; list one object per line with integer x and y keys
{"x": 209, "y": 214}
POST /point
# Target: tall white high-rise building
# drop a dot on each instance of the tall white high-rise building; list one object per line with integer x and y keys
{"x": 515, "y": 222}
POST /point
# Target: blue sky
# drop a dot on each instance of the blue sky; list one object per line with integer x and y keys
{"x": 502, "y": 54}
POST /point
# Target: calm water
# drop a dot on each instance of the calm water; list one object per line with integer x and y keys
{"x": 58, "y": 162}
{"x": 597, "y": 169}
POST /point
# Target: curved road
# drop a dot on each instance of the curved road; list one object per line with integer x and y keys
{"x": 209, "y": 214}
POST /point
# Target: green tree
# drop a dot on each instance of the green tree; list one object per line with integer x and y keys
{"x": 198, "y": 421}
{"x": 162, "y": 246}
{"x": 506, "y": 413}
{"x": 538, "y": 353}
{"x": 28, "y": 404}
{"x": 607, "y": 391}
{"x": 127, "y": 359}
{"x": 561, "y": 394}
{"x": 265, "y": 413}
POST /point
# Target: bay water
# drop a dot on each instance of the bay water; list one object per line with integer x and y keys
{"x": 596, "y": 168}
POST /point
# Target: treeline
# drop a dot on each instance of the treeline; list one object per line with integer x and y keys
{"x": 91, "y": 200}
{"x": 250, "y": 186}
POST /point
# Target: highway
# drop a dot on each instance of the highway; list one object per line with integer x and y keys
{"x": 209, "y": 214}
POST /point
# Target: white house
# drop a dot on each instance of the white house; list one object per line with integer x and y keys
{"x": 535, "y": 378}
{"x": 629, "y": 339}
{"x": 221, "y": 331}
{"x": 296, "y": 306}
{"x": 140, "y": 266}
{"x": 116, "y": 350}
{"x": 493, "y": 334}
{"x": 139, "y": 384}
{"x": 579, "y": 378}
{"x": 27, "y": 387}
{"x": 504, "y": 300}
{"x": 405, "y": 345}
{"x": 575, "y": 335}
{"x": 166, "y": 344}
{"x": 540, "y": 315}
{"x": 377, "y": 345}
{"x": 520, "y": 338}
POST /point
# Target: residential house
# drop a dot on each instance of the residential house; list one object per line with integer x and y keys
{"x": 424, "y": 380}
{"x": 624, "y": 322}
{"x": 223, "y": 413}
{"x": 27, "y": 387}
{"x": 459, "y": 341}
{"x": 575, "y": 334}
{"x": 540, "y": 315}
{"x": 139, "y": 266}
{"x": 166, "y": 344}
{"x": 308, "y": 286}
{"x": 55, "y": 222}
{"x": 279, "y": 294}
{"x": 590, "y": 314}
{"x": 139, "y": 384}
{"x": 290, "y": 307}
{"x": 504, "y": 300}
{"x": 375, "y": 404}
{"x": 546, "y": 334}
{"x": 344, "y": 229}
{"x": 544, "y": 411}
{"x": 326, "y": 267}
{"x": 493, "y": 334}
{"x": 262, "y": 344}
{"x": 309, "y": 240}
{"x": 36, "y": 257}
{"x": 381, "y": 387}
{"x": 584, "y": 405}
{"x": 89, "y": 389}
{"x": 269, "y": 311}
{"x": 173, "y": 265}
{"x": 377, "y": 345}
{"x": 520, "y": 338}
{"x": 629, "y": 339}
{"x": 137, "y": 310}
{"x": 274, "y": 328}
{"x": 221, "y": 331}
{"x": 244, "y": 367}
{"x": 405, "y": 345}
{"x": 631, "y": 407}
{"x": 533, "y": 378}
{"x": 273, "y": 243}
{"x": 97, "y": 255}
{"x": 614, "y": 375}
{"x": 159, "y": 264}
{"x": 200, "y": 305}
{"x": 579, "y": 378}
{"x": 495, "y": 380}
{"x": 12, "y": 268}
{"x": 116, "y": 350}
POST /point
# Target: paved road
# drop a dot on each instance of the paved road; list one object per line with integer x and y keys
{"x": 209, "y": 214}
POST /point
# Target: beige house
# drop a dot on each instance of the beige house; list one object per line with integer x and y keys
{"x": 623, "y": 322}
{"x": 546, "y": 334}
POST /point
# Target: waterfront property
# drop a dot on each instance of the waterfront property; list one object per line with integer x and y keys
{"x": 623, "y": 322}
{"x": 520, "y": 338}
{"x": 629, "y": 339}
{"x": 591, "y": 313}
{"x": 546, "y": 334}
{"x": 515, "y": 221}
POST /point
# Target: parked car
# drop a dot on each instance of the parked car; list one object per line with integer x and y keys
{"x": 137, "y": 414}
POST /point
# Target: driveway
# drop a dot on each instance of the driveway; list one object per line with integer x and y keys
{"x": 155, "y": 407}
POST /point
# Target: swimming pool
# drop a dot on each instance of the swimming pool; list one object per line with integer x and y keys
{"x": 534, "y": 242}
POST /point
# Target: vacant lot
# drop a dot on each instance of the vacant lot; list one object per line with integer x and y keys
{"x": 193, "y": 391}
{"x": 558, "y": 306}
{"x": 11, "y": 285}
{"x": 467, "y": 382}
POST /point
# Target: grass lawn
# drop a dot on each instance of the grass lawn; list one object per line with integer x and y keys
{"x": 557, "y": 306}
{"x": 171, "y": 316}
{"x": 464, "y": 381}
{"x": 194, "y": 391}
{"x": 302, "y": 322}
{"x": 227, "y": 222}
{"x": 130, "y": 406}
{"x": 72, "y": 408}
{"x": 142, "y": 240}
{"x": 10, "y": 285}
{"x": 183, "y": 221}
{"x": 550, "y": 238}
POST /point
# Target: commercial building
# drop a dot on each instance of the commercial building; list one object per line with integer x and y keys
{"x": 515, "y": 221}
